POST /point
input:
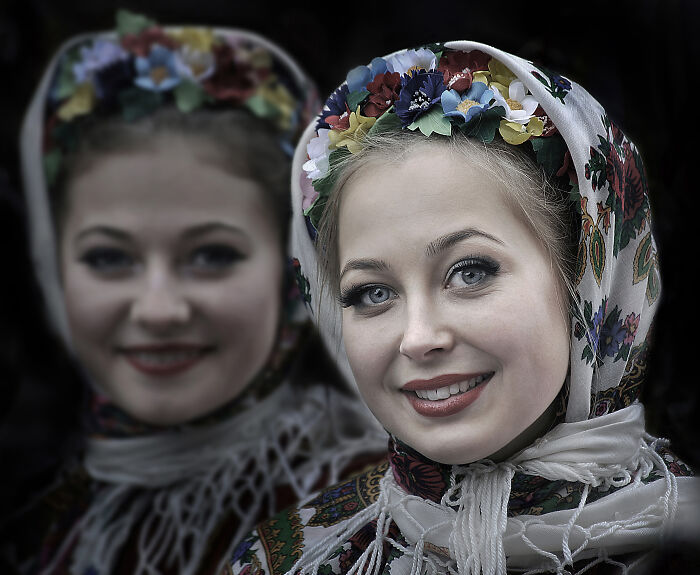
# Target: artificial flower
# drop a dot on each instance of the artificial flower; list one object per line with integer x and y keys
{"x": 468, "y": 106}
{"x": 335, "y": 106}
{"x": 308, "y": 192}
{"x": 411, "y": 61}
{"x": 419, "y": 92}
{"x": 196, "y": 39}
{"x": 500, "y": 76}
{"x": 80, "y": 103}
{"x": 273, "y": 100}
{"x": 318, "y": 150}
{"x": 141, "y": 44}
{"x": 352, "y": 138}
{"x": 100, "y": 55}
{"x": 458, "y": 68}
{"x": 158, "y": 72}
{"x": 519, "y": 105}
{"x": 516, "y": 133}
{"x": 232, "y": 80}
{"x": 193, "y": 64}
{"x": 383, "y": 92}
{"x": 358, "y": 78}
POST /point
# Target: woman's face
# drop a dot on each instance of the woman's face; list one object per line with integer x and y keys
{"x": 172, "y": 271}
{"x": 452, "y": 320}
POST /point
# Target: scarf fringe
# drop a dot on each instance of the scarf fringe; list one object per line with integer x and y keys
{"x": 478, "y": 500}
{"x": 175, "y": 521}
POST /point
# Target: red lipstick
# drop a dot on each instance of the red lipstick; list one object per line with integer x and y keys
{"x": 164, "y": 359}
{"x": 452, "y": 404}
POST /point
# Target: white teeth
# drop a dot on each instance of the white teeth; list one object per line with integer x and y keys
{"x": 448, "y": 390}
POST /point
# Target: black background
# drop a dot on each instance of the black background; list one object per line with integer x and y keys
{"x": 638, "y": 58}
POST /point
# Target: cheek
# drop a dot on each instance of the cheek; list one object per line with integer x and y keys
{"x": 369, "y": 350}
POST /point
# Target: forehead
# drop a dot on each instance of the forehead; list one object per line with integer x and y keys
{"x": 171, "y": 185}
{"x": 430, "y": 191}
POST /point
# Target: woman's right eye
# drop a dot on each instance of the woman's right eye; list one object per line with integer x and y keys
{"x": 107, "y": 260}
{"x": 366, "y": 296}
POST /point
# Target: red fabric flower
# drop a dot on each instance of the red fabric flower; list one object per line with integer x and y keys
{"x": 625, "y": 180}
{"x": 457, "y": 68}
{"x": 340, "y": 123}
{"x": 141, "y": 43}
{"x": 384, "y": 90}
{"x": 232, "y": 80}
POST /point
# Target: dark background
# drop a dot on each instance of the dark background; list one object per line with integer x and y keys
{"x": 638, "y": 58}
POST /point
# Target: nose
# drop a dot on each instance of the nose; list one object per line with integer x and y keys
{"x": 160, "y": 304}
{"x": 425, "y": 334}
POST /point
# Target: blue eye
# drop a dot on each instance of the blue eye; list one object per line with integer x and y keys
{"x": 471, "y": 272}
{"x": 214, "y": 257}
{"x": 366, "y": 296}
{"x": 107, "y": 260}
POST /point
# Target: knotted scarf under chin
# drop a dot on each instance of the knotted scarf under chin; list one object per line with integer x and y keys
{"x": 469, "y": 530}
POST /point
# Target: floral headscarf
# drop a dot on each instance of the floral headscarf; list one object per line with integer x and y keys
{"x": 142, "y": 480}
{"x": 596, "y": 484}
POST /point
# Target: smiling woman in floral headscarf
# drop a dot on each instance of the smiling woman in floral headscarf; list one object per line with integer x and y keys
{"x": 486, "y": 229}
{"x": 160, "y": 157}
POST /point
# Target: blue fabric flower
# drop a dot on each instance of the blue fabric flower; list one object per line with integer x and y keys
{"x": 335, "y": 105}
{"x": 471, "y": 104}
{"x": 158, "y": 72}
{"x": 419, "y": 92}
{"x": 358, "y": 78}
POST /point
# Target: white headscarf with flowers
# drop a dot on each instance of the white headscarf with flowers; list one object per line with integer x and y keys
{"x": 603, "y": 441}
{"x": 146, "y": 484}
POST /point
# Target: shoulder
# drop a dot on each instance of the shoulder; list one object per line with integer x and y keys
{"x": 278, "y": 543}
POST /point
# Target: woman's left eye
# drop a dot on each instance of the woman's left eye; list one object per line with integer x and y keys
{"x": 471, "y": 272}
{"x": 214, "y": 257}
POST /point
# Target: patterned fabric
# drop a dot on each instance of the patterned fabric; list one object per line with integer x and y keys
{"x": 555, "y": 518}
{"x": 146, "y": 499}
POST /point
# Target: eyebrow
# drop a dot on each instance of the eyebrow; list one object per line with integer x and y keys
{"x": 364, "y": 265}
{"x": 448, "y": 240}
{"x": 193, "y": 231}
{"x": 208, "y": 227}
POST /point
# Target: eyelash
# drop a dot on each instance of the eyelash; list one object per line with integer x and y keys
{"x": 106, "y": 260}
{"x": 484, "y": 264}
{"x": 218, "y": 256}
{"x": 352, "y": 295}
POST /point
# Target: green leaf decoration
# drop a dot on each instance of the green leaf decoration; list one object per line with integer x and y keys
{"x": 484, "y": 126}
{"x": 324, "y": 186}
{"x": 597, "y": 254}
{"x": 550, "y": 152}
{"x": 354, "y": 99}
{"x": 137, "y": 103}
{"x": 65, "y": 83}
{"x": 261, "y": 107}
{"x": 67, "y": 135}
{"x": 434, "y": 121}
{"x": 387, "y": 122}
{"x": 189, "y": 96}
{"x": 52, "y": 166}
{"x": 129, "y": 23}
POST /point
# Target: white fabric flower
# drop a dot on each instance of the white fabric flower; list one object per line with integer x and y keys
{"x": 318, "y": 150}
{"x": 519, "y": 105}
{"x": 402, "y": 63}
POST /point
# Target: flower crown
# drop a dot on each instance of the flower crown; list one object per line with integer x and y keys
{"x": 144, "y": 67}
{"x": 435, "y": 90}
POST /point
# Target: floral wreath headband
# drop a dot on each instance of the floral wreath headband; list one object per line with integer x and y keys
{"x": 131, "y": 73}
{"x": 485, "y": 93}
{"x": 143, "y": 67}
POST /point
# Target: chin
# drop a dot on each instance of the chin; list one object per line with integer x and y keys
{"x": 449, "y": 453}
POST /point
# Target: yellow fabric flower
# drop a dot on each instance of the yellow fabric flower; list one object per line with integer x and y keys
{"x": 515, "y": 133}
{"x": 79, "y": 104}
{"x": 482, "y": 76}
{"x": 277, "y": 97}
{"x": 199, "y": 39}
{"x": 501, "y": 77}
{"x": 353, "y": 136}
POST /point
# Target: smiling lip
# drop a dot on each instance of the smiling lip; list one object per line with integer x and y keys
{"x": 450, "y": 405}
{"x": 164, "y": 359}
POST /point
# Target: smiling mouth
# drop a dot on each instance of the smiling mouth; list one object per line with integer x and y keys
{"x": 445, "y": 395}
{"x": 165, "y": 359}
{"x": 452, "y": 389}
